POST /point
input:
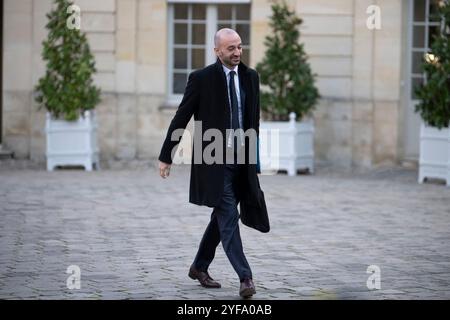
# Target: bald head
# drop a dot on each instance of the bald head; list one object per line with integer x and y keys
{"x": 228, "y": 47}
{"x": 224, "y": 33}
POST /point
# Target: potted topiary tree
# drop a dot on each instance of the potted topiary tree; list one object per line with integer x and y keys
{"x": 288, "y": 96}
{"x": 434, "y": 105}
{"x": 67, "y": 92}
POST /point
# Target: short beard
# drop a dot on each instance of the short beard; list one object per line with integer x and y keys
{"x": 231, "y": 63}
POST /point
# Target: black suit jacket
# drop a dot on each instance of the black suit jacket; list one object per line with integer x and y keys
{"x": 206, "y": 98}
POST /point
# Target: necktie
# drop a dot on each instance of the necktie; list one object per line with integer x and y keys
{"x": 234, "y": 103}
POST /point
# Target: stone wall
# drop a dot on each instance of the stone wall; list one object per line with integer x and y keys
{"x": 128, "y": 39}
{"x": 17, "y": 76}
{"x": 358, "y": 75}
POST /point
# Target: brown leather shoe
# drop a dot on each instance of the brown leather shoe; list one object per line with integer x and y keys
{"x": 204, "y": 278}
{"x": 247, "y": 288}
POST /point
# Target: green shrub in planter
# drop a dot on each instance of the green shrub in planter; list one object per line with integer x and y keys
{"x": 434, "y": 95}
{"x": 288, "y": 83}
{"x": 67, "y": 89}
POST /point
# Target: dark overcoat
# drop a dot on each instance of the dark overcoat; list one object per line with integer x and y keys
{"x": 206, "y": 98}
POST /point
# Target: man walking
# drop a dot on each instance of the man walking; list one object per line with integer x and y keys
{"x": 223, "y": 96}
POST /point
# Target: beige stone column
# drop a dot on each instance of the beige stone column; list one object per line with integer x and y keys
{"x": 363, "y": 74}
{"x": 17, "y": 75}
{"x": 152, "y": 47}
{"x": 152, "y": 71}
{"x": 126, "y": 46}
{"x": 99, "y": 21}
{"x": 37, "y": 117}
{"x": 126, "y": 78}
{"x": 327, "y": 34}
{"x": 259, "y": 19}
{"x": 386, "y": 82}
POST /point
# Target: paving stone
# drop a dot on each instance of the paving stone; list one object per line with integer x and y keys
{"x": 134, "y": 236}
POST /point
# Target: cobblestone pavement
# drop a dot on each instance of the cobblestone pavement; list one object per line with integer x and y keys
{"x": 134, "y": 235}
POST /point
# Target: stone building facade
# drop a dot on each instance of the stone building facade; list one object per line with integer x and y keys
{"x": 365, "y": 117}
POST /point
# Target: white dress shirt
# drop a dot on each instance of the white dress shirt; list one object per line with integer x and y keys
{"x": 238, "y": 94}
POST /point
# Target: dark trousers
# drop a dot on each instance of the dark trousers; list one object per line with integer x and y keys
{"x": 224, "y": 227}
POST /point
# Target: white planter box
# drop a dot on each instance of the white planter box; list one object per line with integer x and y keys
{"x": 287, "y": 145}
{"x": 434, "y": 159}
{"x": 72, "y": 143}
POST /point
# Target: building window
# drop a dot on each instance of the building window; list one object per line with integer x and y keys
{"x": 191, "y": 37}
{"x": 236, "y": 17}
{"x": 425, "y": 25}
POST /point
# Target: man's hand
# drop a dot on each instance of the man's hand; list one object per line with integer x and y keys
{"x": 164, "y": 169}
